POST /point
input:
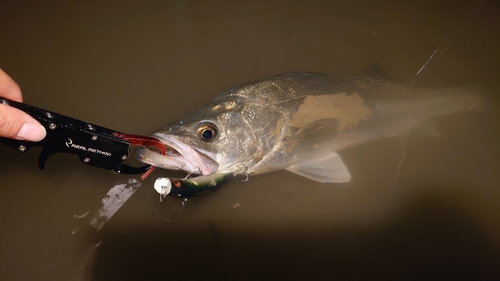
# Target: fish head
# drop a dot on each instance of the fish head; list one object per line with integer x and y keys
{"x": 214, "y": 138}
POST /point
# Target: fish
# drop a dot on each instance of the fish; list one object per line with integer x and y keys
{"x": 298, "y": 122}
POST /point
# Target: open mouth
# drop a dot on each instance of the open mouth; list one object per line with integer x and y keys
{"x": 179, "y": 156}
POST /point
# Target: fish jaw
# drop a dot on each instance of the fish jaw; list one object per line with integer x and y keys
{"x": 180, "y": 156}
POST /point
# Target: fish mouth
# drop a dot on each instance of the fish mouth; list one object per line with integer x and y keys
{"x": 178, "y": 156}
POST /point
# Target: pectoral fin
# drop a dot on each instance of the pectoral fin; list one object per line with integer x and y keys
{"x": 329, "y": 168}
{"x": 315, "y": 139}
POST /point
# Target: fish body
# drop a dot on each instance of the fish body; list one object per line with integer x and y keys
{"x": 298, "y": 122}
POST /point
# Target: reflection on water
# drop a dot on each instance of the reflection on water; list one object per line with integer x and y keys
{"x": 135, "y": 67}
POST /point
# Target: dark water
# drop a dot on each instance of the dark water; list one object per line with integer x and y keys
{"x": 135, "y": 67}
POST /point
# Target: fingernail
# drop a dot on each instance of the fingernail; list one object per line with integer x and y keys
{"x": 31, "y": 132}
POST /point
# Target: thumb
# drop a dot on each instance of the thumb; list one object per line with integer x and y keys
{"x": 16, "y": 124}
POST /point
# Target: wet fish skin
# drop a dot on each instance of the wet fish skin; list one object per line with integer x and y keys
{"x": 298, "y": 122}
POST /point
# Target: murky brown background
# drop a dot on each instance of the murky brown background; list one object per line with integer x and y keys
{"x": 136, "y": 66}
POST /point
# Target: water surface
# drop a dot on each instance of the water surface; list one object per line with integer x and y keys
{"x": 135, "y": 67}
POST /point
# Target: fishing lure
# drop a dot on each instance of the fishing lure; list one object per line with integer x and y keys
{"x": 191, "y": 187}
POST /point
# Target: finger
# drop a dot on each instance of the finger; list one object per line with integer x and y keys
{"x": 9, "y": 88}
{"x": 16, "y": 124}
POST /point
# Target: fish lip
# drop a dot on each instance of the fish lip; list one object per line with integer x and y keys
{"x": 179, "y": 156}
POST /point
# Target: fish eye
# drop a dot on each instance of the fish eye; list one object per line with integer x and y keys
{"x": 207, "y": 131}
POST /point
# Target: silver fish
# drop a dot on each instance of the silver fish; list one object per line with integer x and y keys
{"x": 297, "y": 122}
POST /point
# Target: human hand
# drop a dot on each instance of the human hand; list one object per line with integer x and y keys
{"x": 15, "y": 123}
